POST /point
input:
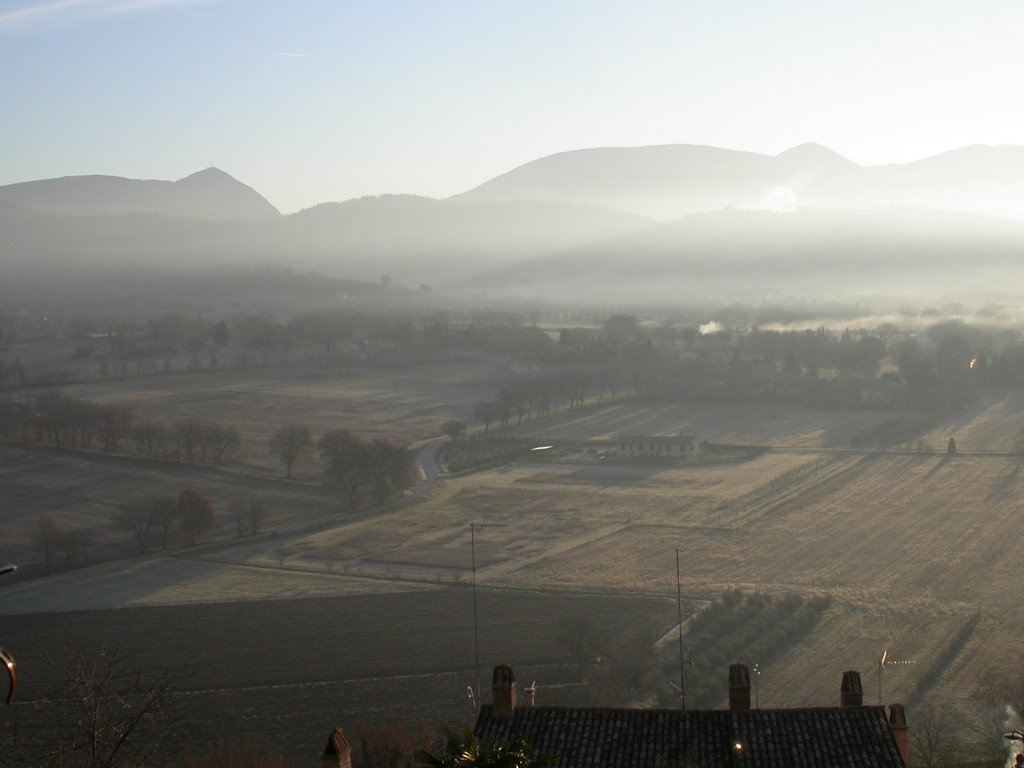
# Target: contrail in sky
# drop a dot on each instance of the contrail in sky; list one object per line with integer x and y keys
{"x": 295, "y": 55}
{"x": 58, "y": 9}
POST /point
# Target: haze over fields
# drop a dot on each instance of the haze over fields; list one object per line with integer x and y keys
{"x": 612, "y": 225}
{"x": 349, "y": 349}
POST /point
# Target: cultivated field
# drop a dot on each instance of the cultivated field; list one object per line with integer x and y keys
{"x": 917, "y": 550}
{"x": 403, "y": 405}
{"x": 744, "y": 423}
{"x": 289, "y": 671}
{"x": 994, "y": 423}
{"x": 82, "y": 490}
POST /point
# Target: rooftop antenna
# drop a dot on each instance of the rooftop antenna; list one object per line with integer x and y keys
{"x": 884, "y": 662}
{"x": 476, "y": 627}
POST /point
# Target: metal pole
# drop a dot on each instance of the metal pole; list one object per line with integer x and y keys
{"x": 679, "y": 608}
{"x": 881, "y": 668}
{"x": 476, "y": 632}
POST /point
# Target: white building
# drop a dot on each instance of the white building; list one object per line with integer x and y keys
{"x": 658, "y": 447}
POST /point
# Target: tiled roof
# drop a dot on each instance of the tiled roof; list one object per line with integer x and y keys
{"x": 854, "y": 737}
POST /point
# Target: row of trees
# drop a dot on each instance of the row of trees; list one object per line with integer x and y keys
{"x": 620, "y": 353}
{"x": 190, "y": 512}
{"x": 49, "y": 540}
{"x": 187, "y": 440}
{"x": 63, "y": 421}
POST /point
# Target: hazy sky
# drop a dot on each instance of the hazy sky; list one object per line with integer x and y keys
{"x": 317, "y": 100}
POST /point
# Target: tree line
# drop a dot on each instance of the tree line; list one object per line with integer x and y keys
{"x": 62, "y": 421}
{"x": 375, "y": 465}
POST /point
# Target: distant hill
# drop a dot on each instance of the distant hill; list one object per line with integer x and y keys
{"x": 416, "y": 240}
{"x": 210, "y": 195}
{"x": 670, "y": 181}
{"x": 470, "y": 232}
{"x": 750, "y": 255}
{"x": 805, "y": 221}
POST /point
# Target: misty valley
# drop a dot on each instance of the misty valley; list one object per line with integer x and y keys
{"x": 618, "y": 418}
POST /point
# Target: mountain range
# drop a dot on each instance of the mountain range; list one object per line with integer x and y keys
{"x": 590, "y": 222}
{"x": 666, "y": 182}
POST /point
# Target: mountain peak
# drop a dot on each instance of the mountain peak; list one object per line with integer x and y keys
{"x": 209, "y": 174}
{"x": 210, "y": 194}
{"x": 813, "y": 153}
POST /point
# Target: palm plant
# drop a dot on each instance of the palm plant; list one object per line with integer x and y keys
{"x": 465, "y": 750}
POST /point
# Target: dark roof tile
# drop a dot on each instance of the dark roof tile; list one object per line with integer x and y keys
{"x": 637, "y": 738}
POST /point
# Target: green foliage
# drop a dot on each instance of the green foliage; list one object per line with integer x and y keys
{"x": 465, "y": 749}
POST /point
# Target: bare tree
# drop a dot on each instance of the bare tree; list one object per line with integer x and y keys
{"x": 137, "y": 519}
{"x": 289, "y": 444}
{"x": 76, "y": 544}
{"x": 187, "y": 435}
{"x": 345, "y": 455}
{"x": 934, "y": 738}
{"x": 454, "y": 429}
{"x": 221, "y": 439}
{"x": 389, "y": 466}
{"x": 46, "y": 538}
{"x": 149, "y": 437}
{"x": 248, "y": 512}
{"x": 163, "y": 511}
{"x": 104, "y": 709}
{"x": 195, "y": 512}
{"x": 257, "y": 513}
{"x": 115, "y": 423}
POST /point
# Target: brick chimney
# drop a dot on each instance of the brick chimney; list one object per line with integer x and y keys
{"x": 898, "y": 724}
{"x": 503, "y": 691}
{"x": 338, "y": 752}
{"x": 739, "y": 687}
{"x": 851, "y": 693}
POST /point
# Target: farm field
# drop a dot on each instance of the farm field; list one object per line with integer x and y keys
{"x": 912, "y": 549}
{"x": 915, "y": 549}
{"x": 81, "y": 489}
{"x": 405, "y": 405}
{"x": 290, "y": 671}
{"x": 744, "y": 423}
{"x": 994, "y": 423}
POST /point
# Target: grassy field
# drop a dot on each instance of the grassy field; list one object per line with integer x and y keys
{"x": 82, "y": 490}
{"x": 917, "y": 550}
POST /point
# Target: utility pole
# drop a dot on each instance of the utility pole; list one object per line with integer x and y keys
{"x": 476, "y": 625}
{"x": 679, "y": 609}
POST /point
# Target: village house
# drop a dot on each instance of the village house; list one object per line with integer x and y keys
{"x": 851, "y": 734}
